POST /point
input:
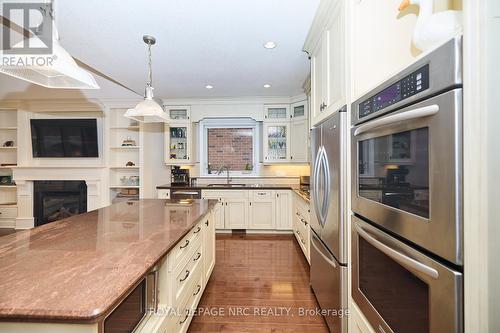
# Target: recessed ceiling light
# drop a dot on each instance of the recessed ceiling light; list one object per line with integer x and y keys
{"x": 267, "y": 85}
{"x": 208, "y": 86}
{"x": 270, "y": 45}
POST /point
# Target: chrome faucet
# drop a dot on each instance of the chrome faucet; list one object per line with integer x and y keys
{"x": 227, "y": 171}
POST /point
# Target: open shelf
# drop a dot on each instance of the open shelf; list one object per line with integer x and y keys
{"x": 125, "y": 147}
{"x": 125, "y": 167}
{"x": 124, "y": 186}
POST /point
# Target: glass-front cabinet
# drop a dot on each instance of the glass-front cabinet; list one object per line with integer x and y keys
{"x": 178, "y": 113}
{"x": 276, "y": 142}
{"x": 276, "y": 112}
{"x": 178, "y": 144}
{"x": 298, "y": 111}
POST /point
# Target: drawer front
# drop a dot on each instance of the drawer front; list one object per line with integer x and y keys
{"x": 186, "y": 245}
{"x": 262, "y": 195}
{"x": 163, "y": 194}
{"x": 183, "y": 276}
{"x": 188, "y": 303}
{"x": 8, "y": 213}
{"x": 229, "y": 194}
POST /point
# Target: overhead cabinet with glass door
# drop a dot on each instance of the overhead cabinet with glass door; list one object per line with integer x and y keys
{"x": 178, "y": 136}
{"x": 285, "y": 133}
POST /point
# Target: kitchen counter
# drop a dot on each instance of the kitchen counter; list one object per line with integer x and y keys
{"x": 246, "y": 187}
{"x": 77, "y": 269}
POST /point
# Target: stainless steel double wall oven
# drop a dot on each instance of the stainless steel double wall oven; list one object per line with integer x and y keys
{"x": 407, "y": 234}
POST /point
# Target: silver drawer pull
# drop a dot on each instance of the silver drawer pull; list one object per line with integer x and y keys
{"x": 185, "y": 244}
{"x": 198, "y": 257}
{"x": 297, "y": 213}
{"x": 261, "y": 193}
{"x": 197, "y": 291}
{"x": 303, "y": 221}
{"x": 298, "y": 232}
{"x": 207, "y": 223}
{"x": 184, "y": 320}
{"x": 303, "y": 242}
{"x": 185, "y": 277}
{"x": 197, "y": 230}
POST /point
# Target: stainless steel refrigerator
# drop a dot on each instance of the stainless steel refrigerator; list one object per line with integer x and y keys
{"x": 328, "y": 225}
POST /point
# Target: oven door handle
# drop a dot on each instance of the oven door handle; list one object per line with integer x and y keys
{"x": 185, "y": 192}
{"x": 422, "y": 112}
{"x": 404, "y": 260}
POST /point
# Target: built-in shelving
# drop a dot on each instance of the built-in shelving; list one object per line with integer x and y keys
{"x": 123, "y": 131}
{"x": 8, "y": 155}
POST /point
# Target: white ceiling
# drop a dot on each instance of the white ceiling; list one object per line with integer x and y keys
{"x": 199, "y": 42}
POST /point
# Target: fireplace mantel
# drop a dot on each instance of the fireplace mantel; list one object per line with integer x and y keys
{"x": 94, "y": 177}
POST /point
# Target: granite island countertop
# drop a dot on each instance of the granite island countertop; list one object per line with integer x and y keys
{"x": 77, "y": 269}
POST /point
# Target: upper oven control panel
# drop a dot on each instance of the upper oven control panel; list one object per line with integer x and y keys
{"x": 410, "y": 85}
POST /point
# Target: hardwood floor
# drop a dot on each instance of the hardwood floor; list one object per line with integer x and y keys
{"x": 260, "y": 283}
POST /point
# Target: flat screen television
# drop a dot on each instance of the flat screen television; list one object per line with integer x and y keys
{"x": 64, "y": 137}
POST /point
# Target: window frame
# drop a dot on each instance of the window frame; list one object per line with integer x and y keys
{"x": 247, "y": 123}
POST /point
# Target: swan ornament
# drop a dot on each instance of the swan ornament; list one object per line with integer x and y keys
{"x": 432, "y": 28}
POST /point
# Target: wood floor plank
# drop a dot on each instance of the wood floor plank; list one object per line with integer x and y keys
{"x": 260, "y": 283}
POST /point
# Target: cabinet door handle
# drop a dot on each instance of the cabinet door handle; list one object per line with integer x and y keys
{"x": 297, "y": 213}
{"x": 185, "y": 244}
{"x": 303, "y": 221}
{"x": 302, "y": 241}
{"x": 197, "y": 291}
{"x": 198, "y": 257}
{"x": 197, "y": 230}
{"x": 207, "y": 223}
{"x": 184, "y": 320}
{"x": 185, "y": 276}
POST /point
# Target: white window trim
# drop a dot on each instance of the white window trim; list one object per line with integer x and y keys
{"x": 207, "y": 123}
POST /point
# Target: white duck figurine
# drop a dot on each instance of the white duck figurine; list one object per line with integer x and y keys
{"x": 433, "y": 28}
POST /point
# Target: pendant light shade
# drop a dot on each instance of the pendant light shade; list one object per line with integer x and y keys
{"x": 148, "y": 110}
{"x": 57, "y": 71}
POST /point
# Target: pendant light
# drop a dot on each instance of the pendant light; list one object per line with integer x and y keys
{"x": 148, "y": 110}
{"x": 61, "y": 73}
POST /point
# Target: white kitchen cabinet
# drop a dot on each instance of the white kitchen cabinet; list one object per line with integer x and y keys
{"x": 299, "y": 111}
{"x": 209, "y": 242}
{"x": 262, "y": 210}
{"x": 328, "y": 48}
{"x": 218, "y": 216}
{"x": 163, "y": 194}
{"x": 284, "y": 210}
{"x": 301, "y": 224}
{"x": 178, "y": 143}
{"x": 235, "y": 213}
{"x": 178, "y": 113}
{"x": 299, "y": 141}
{"x": 276, "y": 142}
{"x": 276, "y": 112}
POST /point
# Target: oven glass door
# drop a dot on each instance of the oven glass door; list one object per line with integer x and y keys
{"x": 407, "y": 169}
{"x": 394, "y": 170}
{"x": 399, "y": 289}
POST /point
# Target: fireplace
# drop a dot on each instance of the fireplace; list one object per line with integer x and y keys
{"x": 55, "y": 200}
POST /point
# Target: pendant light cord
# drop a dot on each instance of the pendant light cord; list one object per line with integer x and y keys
{"x": 150, "y": 83}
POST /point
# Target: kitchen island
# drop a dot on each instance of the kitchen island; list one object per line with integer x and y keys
{"x": 72, "y": 275}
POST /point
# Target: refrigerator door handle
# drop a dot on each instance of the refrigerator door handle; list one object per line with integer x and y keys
{"x": 316, "y": 185}
{"x": 315, "y": 240}
{"x": 326, "y": 202}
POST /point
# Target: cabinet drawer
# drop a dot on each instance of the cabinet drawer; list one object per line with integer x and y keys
{"x": 225, "y": 194}
{"x": 163, "y": 194}
{"x": 8, "y": 212}
{"x": 184, "y": 248}
{"x": 188, "y": 303}
{"x": 262, "y": 195}
{"x": 186, "y": 273}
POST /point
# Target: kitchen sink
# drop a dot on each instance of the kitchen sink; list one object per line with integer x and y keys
{"x": 226, "y": 185}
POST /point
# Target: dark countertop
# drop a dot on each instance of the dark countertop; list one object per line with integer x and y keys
{"x": 77, "y": 269}
{"x": 246, "y": 187}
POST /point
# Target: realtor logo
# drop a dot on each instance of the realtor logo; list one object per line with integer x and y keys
{"x": 28, "y": 28}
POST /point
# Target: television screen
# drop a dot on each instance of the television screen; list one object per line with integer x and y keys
{"x": 64, "y": 137}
